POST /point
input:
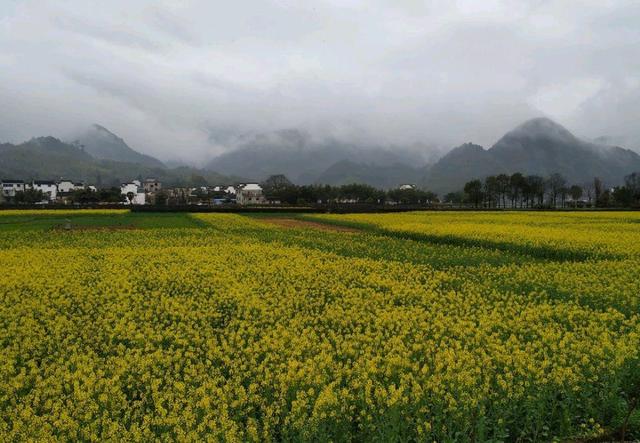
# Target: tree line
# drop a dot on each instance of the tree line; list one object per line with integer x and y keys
{"x": 533, "y": 191}
{"x": 78, "y": 196}
{"x": 280, "y": 188}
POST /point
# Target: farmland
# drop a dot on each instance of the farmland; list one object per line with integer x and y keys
{"x": 447, "y": 326}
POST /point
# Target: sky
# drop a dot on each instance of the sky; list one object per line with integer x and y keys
{"x": 184, "y": 79}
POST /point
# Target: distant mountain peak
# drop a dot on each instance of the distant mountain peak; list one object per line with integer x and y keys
{"x": 538, "y": 146}
{"x": 542, "y": 127}
{"x": 468, "y": 147}
{"x": 101, "y": 128}
{"x": 104, "y": 132}
{"x": 101, "y": 143}
{"x": 465, "y": 150}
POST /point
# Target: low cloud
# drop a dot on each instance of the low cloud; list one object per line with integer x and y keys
{"x": 185, "y": 79}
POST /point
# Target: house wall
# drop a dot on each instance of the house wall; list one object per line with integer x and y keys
{"x": 50, "y": 191}
{"x": 249, "y": 197}
{"x": 10, "y": 189}
{"x": 152, "y": 186}
{"x": 66, "y": 186}
{"x": 139, "y": 197}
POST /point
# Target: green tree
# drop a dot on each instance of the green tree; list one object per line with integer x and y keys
{"x": 473, "y": 190}
{"x": 454, "y": 197}
{"x": 84, "y": 196}
{"x": 28, "y": 196}
{"x": 575, "y": 192}
{"x": 623, "y": 196}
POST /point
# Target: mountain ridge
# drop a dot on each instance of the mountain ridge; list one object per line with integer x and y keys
{"x": 103, "y": 144}
{"x": 307, "y": 161}
{"x": 538, "y": 146}
{"x": 48, "y": 158}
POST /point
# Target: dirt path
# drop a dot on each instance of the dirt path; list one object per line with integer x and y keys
{"x": 297, "y": 223}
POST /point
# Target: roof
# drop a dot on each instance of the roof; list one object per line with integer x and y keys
{"x": 44, "y": 182}
{"x": 12, "y": 181}
{"x": 252, "y": 187}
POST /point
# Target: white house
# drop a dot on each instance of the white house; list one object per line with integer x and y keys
{"x": 10, "y": 187}
{"x": 66, "y": 186}
{"x": 250, "y": 194}
{"x": 134, "y": 193}
{"x": 48, "y": 188}
{"x": 406, "y": 187}
{"x": 231, "y": 190}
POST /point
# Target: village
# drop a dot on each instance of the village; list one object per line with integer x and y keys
{"x": 276, "y": 190}
{"x": 135, "y": 192}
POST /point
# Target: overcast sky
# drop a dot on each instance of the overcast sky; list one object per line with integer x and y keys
{"x": 174, "y": 78}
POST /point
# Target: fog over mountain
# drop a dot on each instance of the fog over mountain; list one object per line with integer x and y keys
{"x": 105, "y": 145}
{"x": 539, "y": 146}
{"x": 305, "y": 160}
{"x": 188, "y": 81}
{"x": 48, "y": 158}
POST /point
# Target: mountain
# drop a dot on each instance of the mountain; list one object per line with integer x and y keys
{"x": 105, "y": 145}
{"x": 539, "y": 146}
{"x": 381, "y": 176}
{"x": 47, "y": 158}
{"x": 306, "y": 161}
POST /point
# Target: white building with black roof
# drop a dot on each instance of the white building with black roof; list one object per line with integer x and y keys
{"x": 10, "y": 187}
{"x": 48, "y": 187}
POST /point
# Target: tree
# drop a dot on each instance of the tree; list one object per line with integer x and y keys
{"x": 280, "y": 187}
{"x": 473, "y": 190}
{"x": 84, "y": 196}
{"x": 623, "y": 196}
{"x": 518, "y": 185}
{"x": 597, "y": 190}
{"x": 28, "y": 196}
{"x": 632, "y": 183}
{"x": 556, "y": 183}
{"x": 536, "y": 187}
{"x": 276, "y": 182}
{"x": 410, "y": 196}
{"x": 575, "y": 192}
{"x": 454, "y": 197}
{"x": 491, "y": 190}
{"x": 503, "y": 183}
{"x": 589, "y": 192}
{"x": 361, "y": 193}
{"x": 111, "y": 195}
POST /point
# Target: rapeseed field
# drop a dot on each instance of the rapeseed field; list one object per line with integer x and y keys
{"x": 412, "y": 327}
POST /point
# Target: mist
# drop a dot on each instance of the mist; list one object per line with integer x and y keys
{"x": 187, "y": 80}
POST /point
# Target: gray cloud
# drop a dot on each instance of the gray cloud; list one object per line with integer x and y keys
{"x": 181, "y": 79}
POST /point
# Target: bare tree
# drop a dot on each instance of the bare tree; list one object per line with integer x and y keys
{"x": 556, "y": 183}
